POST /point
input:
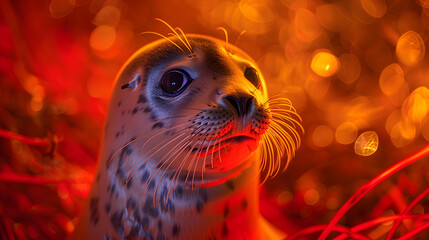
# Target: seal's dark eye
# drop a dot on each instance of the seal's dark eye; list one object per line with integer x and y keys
{"x": 252, "y": 75}
{"x": 174, "y": 82}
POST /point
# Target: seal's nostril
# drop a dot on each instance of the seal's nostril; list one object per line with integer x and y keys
{"x": 242, "y": 104}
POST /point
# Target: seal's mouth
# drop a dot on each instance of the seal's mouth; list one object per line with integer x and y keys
{"x": 222, "y": 144}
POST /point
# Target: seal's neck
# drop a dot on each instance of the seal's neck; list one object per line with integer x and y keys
{"x": 225, "y": 211}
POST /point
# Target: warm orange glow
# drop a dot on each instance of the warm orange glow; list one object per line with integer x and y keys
{"x": 324, "y": 64}
{"x": 322, "y": 136}
{"x": 103, "y": 37}
{"x": 350, "y": 68}
{"x": 391, "y": 79}
{"x": 346, "y": 133}
{"x": 306, "y": 26}
{"x": 311, "y": 197}
{"x": 366, "y": 144}
{"x": 417, "y": 105}
{"x": 331, "y": 17}
{"x": 410, "y": 48}
{"x": 284, "y": 197}
{"x": 61, "y": 8}
{"x": 375, "y": 8}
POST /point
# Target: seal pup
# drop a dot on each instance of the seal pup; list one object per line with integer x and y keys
{"x": 189, "y": 130}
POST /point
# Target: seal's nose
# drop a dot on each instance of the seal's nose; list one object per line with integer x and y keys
{"x": 242, "y": 104}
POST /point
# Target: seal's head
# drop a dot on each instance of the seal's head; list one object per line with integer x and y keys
{"x": 198, "y": 116}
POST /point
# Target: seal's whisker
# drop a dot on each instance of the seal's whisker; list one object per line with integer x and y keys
{"x": 186, "y": 39}
{"x": 283, "y": 140}
{"x": 176, "y": 35}
{"x": 171, "y": 41}
{"x": 133, "y": 169}
{"x": 226, "y": 36}
{"x": 220, "y": 159}
{"x": 292, "y": 130}
{"x": 270, "y": 154}
{"x": 273, "y": 156}
{"x": 205, "y": 157}
{"x": 283, "y": 135}
{"x": 136, "y": 139}
{"x": 184, "y": 146}
{"x": 277, "y": 150}
{"x": 158, "y": 167}
{"x": 286, "y": 118}
{"x": 178, "y": 149}
{"x": 199, "y": 130}
{"x": 239, "y": 36}
{"x": 204, "y": 161}
{"x": 196, "y": 161}
{"x": 263, "y": 155}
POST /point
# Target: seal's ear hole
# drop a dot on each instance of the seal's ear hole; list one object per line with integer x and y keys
{"x": 133, "y": 83}
{"x": 252, "y": 75}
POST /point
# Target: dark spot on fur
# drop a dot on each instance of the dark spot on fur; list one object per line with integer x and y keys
{"x": 199, "y": 206}
{"x": 108, "y": 207}
{"x": 226, "y": 211}
{"x": 158, "y": 125}
{"x": 106, "y": 237}
{"x": 117, "y": 222}
{"x": 93, "y": 208}
{"x": 123, "y": 113}
{"x": 224, "y": 230}
{"x": 147, "y": 109}
{"x": 230, "y": 185}
{"x": 215, "y": 78}
{"x": 167, "y": 205}
{"x": 135, "y": 110}
{"x": 117, "y": 135}
{"x": 151, "y": 185}
{"x": 149, "y": 209}
{"x": 131, "y": 205}
{"x": 159, "y": 225}
{"x": 178, "y": 192}
{"x": 142, "y": 99}
{"x": 203, "y": 195}
{"x": 119, "y": 103}
{"x": 176, "y": 230}
{"x": 112, "y": 190}
{"x": 145, "y": 177}
{"x": 129, "y": 183}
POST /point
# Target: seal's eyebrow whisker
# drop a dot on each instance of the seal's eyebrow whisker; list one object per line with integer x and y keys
{"x": 187, "y": 45}
{"x": 225, "y": 32}
{"x": 171, "y": 41}
{"x": 186, "y": 39}
{"x": 239, "y": 36}
{"x": 226, "y": 37}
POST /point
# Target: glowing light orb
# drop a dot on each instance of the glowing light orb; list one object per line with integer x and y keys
{"x": 350, "y": 68}
{"x": 322, "y": 136}
{"x": 103, "y": 37}
{"x": 375, "y": 8}
{"x": 391, "y": 79}
{"x": 410, "y": 48}
{"x": 366, "y": 144}
{"x": 346, "y": 133}
{"x": 324, "y": 64}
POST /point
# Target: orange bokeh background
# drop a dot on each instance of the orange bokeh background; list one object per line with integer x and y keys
{"x": 357, "y": 72}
